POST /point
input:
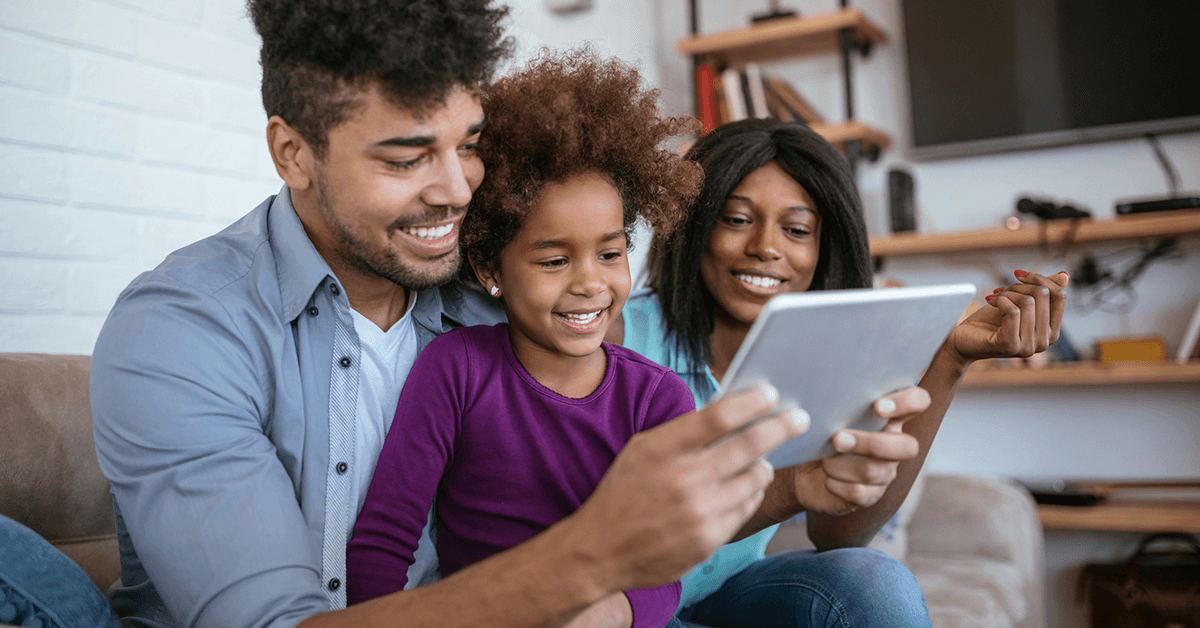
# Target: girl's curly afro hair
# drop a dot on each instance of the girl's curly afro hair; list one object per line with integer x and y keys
{"x": 571, "y": 113}
{"x": 316, "y": 53}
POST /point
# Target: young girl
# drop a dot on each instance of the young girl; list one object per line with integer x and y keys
{"x": 511, "y": 427}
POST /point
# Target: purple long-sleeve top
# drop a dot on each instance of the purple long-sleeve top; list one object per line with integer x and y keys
{"x": 505, "y": 457}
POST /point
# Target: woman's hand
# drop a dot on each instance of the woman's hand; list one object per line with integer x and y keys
{"x": 866, "y": 463}
{"x": 1019, "y": 320}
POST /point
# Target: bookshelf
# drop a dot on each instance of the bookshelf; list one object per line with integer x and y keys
{"x": 846, "y": 30}
{"x": 1052, "y": 233}
{"x": 783, "y": 38}
{"x": 1126, "y": 516}
{"x": 986, "y": 374}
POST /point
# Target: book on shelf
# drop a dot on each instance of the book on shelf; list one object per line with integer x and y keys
{"x": 756, "y": 91}
{"x": 718, "y": 87}
{"x": 706, "y": 105}
{"x": 735, "y": 99}
{"x": 1189, "y": 347}
{"x": 788, "y": 103}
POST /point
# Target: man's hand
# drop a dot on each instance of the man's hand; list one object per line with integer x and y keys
{"x": 679, "y": 491}
{"x": 611, "y": 612}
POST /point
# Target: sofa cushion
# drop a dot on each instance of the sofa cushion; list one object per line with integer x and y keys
{"x": 50, "y": 480}
{"x": 968, "y": 591}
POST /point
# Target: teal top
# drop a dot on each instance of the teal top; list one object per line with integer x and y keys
{"x": 645, "y": 333}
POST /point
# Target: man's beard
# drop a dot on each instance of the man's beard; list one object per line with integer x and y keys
{"x": 387, "y": 263}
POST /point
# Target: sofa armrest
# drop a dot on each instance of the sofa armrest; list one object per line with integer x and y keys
{"x": 969, "y": 515}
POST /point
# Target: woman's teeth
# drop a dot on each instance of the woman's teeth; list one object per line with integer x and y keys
{"x": 762, "y": 282}
{"x": 430, "y": 233}
{"x": 582, "y": 319}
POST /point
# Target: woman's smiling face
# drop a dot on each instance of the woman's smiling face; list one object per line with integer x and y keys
{"x": 765, "y": 242}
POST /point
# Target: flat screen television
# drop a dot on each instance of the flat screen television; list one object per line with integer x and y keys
{"x": 989, "y": 76}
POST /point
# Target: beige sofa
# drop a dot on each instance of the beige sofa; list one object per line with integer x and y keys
{"x": 973, "y": 543}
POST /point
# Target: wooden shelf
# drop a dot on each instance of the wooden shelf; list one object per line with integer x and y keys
{"x": 839, "y": 134}
{"x": 986, "y": 375}
{"x": 1054, "y": 232}
{"x": 780, "y": 38}
{"x": 1124, "y": 516}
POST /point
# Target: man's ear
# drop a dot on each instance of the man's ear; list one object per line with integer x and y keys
{"x": 293, "y": 156}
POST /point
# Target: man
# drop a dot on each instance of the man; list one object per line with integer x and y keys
{"x": 241, "y": 390}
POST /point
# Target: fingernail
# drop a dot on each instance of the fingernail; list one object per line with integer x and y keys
{"x": 1065, "y": 274}
{"x": 800, "y": 418}
{"x": 885, "y": 406}
{"x": 989, "y": 297}
{"x": 1020, "y": 273}
{"x": 844, "y": 441}
{"x": 770, "y": 393}
{"x": 997, "y": 290}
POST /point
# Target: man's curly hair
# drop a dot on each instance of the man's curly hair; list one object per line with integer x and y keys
{"x": 318, "y": 55}
{"x": 570, "y": 113}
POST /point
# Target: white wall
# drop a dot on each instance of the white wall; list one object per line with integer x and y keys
{"x": 129, "y": 128}
{"x": 1122, "y": 431}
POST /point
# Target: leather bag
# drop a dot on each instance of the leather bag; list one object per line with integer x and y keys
{"x": 1157, "y": 587}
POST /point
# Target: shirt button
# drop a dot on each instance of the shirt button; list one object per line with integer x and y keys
{"x": 334, "y": 584}
{"x": 342, "y": 468}
{"x": 334, "y": 289}
{"x": 313, "y": 310}
{"x": 345, "y": 362}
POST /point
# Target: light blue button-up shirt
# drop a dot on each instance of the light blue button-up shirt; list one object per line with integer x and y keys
{"x": 223, "y": 391}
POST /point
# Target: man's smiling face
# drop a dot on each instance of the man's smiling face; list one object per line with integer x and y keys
{"x": 391, "y": 189}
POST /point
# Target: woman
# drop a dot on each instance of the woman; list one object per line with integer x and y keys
{"x": 779, "y": 213}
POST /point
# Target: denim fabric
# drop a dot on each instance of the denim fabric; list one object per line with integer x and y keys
{"x": 845, "y": 588}
{"x": 40, "y": 586}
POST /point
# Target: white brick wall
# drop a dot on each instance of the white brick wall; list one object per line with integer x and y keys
{"x": 128, "y": 128}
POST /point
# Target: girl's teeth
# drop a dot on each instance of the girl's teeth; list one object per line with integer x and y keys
{"x": 581, "y": 318}
{"x": 763, "y": 282}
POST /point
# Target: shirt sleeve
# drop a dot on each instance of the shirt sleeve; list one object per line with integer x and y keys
{"x": 416, "y": 452}
{"x": 178, "y": 413}
{"x": 653, "y": 608}
{"x": 671, "y": 398}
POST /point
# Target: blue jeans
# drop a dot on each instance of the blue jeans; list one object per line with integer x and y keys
{"x": 846, "y": 588}
{"x": 40, "y": 586}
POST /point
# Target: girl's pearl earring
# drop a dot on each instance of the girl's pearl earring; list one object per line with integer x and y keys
{"x": 495, "y": 291}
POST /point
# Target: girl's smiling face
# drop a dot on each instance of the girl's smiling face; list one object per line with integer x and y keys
{"x": 564, "y": 276}
{"x": 765, "y": 242}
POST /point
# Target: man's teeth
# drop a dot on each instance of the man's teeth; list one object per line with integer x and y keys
{"x": 582, "y": 319}
{"x": 430, "y": 233}
{"x": 764, "y": 282}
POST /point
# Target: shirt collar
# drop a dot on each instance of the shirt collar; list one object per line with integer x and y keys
{"x": 300, "y": 268}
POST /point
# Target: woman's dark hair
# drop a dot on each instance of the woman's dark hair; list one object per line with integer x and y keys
{"x": 570, "y": 113}
{"x": 727, "y": 154}
{"x": 319, "y": 55}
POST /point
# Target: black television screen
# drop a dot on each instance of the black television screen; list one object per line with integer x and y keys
{"x": 995, "y": 75}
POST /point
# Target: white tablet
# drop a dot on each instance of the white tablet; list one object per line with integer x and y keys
{"x": 835, "y": 352}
